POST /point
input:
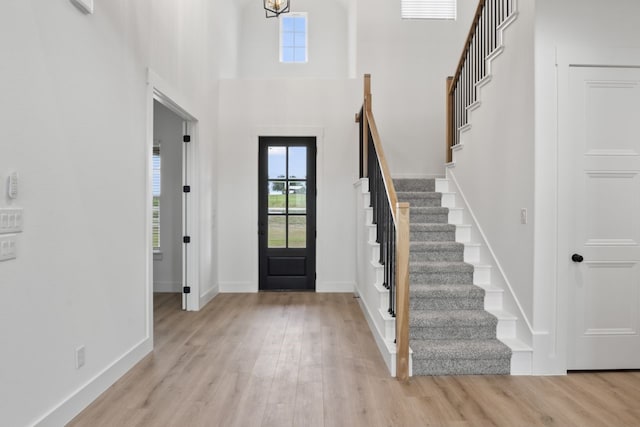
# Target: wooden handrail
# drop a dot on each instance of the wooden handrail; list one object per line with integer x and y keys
{"x": 467, "y": 44}
{"x": 382, "y": 160}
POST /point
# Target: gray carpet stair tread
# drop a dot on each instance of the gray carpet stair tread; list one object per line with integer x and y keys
{"x": 449, "y": 318}
{"x": 459, "y": 349}
{"x": 429, "y": 209}
{"x": 446, "y": 291}
{"x": 403, "y": 195}
{"x": 440, "y": 267}
{"x": 432, "y": 227}
{"x": 415, "y": 184}
{"x": 435, "y": 246}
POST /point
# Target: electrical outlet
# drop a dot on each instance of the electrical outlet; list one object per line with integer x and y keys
{"x": 80, "y": 357}
{"x": 523, "y": 216}
{"x": 8, "y": 247}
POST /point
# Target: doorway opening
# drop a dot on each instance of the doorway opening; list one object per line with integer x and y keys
{"x": 169, "y": 208}
{"x": 172, "y": 214}
{"x": 287, "y": 213}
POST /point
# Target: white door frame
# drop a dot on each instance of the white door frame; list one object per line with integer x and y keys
{"x": 604, "y": 57}
{"x": 165, "y": 94}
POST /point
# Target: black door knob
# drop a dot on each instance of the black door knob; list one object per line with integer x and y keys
{"x": 577, "y": 258}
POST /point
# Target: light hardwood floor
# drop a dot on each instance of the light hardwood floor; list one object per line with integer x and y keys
{"x": 305, "y": 359}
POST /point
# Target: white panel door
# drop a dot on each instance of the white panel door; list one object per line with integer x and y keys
{"x": 604, "y": 287}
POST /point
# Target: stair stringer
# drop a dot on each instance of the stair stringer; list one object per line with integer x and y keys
{"x": 514, "y": 328}
{"x": 372, "y": 296}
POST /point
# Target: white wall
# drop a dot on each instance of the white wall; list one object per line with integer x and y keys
{"x": 250, "y": 108}
{"x": 564, "y": 26}
{"x": 167, "y": 263}
{"x": 328, "y": 38}
{"x": 409, "y": 61}
{"x": 494, "y": 169}
{"x": 73, "y": 115}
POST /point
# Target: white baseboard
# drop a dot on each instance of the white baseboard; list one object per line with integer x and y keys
{"x": 252, "y": 287}
{"x": 208, "y": 296}
{"x": 66, "y": 410}
{"x": 238, "y": 287}
{"x": 338, "y": 287}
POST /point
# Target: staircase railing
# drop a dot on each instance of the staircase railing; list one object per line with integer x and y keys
{"x": 392, "y": 224}
{"x": 481, "y": 42}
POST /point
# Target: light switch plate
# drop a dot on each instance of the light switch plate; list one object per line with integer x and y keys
{"x": 84, "y": 5}
{"x": 8, "y": 247}
{"x": 11, "y": 220}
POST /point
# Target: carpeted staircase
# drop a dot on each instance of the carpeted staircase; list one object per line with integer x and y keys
{"x": 450, "y": 332}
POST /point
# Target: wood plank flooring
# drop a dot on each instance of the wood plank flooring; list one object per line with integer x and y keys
{"x": 305, "y": 359}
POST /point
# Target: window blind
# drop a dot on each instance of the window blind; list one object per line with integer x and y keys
{"x": 428, "y": 9}
{"x": 155, "y": 164}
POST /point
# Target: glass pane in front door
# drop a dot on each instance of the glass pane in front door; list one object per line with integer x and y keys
{"x": 287, "y": 213}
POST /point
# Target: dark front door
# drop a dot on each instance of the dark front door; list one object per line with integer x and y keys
{"x": 287, "y": 213}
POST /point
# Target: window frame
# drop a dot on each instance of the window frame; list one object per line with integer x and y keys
{"x": 305, "y": 15}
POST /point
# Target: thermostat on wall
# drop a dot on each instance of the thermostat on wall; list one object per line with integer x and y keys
{"x": 84, "y": 5}
{"x": 12, "y": 185}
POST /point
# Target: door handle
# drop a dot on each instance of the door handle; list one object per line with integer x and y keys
{"x": 577, "y": 258}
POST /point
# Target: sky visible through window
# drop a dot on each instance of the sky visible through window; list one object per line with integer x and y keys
{"x": 297, "y": 162}
{"x": 293, "y": 38}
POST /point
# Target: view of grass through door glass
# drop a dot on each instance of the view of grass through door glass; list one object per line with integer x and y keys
{"x": 287, "y": 197}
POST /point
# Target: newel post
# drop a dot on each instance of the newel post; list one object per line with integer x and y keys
{"x": 402, "y": 291}
{"x": 366, "y": 109}
{"x": 450, "y": 125}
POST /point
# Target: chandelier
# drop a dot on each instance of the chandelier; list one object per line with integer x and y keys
{"x": 273, "y": 8}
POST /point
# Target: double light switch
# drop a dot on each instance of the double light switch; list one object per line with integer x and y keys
{"x": 11, "y": 220}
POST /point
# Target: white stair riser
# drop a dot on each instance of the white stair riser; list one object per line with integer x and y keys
{"x": 471, "y": 253}
{"x": 506, "y": 328}
{"x": 493, "y": 299}
{"x": 442, "y": 185}
{"x": 463, "y": 234}
{"x": 482, "y": 275}
{"x": 448, "y": 200}
{"x": 455, "y": 216}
